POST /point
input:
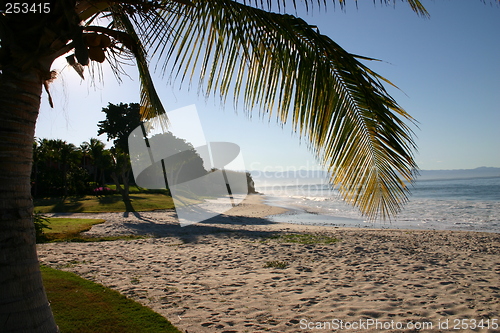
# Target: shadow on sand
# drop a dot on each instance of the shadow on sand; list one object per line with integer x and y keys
{"x": 217, "y": 226}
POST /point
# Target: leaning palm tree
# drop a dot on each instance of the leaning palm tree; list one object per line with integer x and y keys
{"x": 275, "y": 63}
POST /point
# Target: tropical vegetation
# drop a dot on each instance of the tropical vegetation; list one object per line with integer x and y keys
{"x": 274, "y": 62}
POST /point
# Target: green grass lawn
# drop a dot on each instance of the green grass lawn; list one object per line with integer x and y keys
{"x": 136, "y": 189}
{"x": 69, "y": 229}
{"x": 63, "y": 225}
{"x": 83, "y": 306}
{"x": 110, "y": 203}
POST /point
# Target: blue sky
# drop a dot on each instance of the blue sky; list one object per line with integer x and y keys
{"x": 447, "y": 68}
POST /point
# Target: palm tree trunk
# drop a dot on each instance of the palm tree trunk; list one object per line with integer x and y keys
{"x": 124, "y": 191}
{"x": 23, "y": 303}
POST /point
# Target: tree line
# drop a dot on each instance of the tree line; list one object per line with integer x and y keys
{"x": 64, "y": 169}
{"x": 61, "y": 168}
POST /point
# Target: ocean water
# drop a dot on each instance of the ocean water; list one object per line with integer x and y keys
{"x": 458, "y": 204}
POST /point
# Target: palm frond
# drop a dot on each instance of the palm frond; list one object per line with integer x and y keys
{"x": 284, "y": 68}
{"x": 279, "y": 63}
{"x": 125, "y": 29}
{"x": 151, "y": 105}
{"x": 281, "y": 5}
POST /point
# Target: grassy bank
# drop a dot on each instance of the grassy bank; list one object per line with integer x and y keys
{"x": 82, "y": 306}
{"x": 110, "y": 203}
{"x": 69, "y": 229}
{"x": 70, "y": 226}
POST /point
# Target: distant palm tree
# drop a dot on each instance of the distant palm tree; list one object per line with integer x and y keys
{"x": 100, "y": 159}
{"x": 277, "y": 64}
{"x": 60, "y": 161}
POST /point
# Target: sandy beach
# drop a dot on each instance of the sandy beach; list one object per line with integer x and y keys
{"x": 219, "y": 276}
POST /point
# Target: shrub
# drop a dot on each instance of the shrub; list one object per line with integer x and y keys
{"x": 41, "y": 222}
{"x": 103, "y": 191}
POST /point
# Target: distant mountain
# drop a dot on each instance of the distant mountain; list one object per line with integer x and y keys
{"x": 482, "y": 172}
{"x": 290, "y": 174}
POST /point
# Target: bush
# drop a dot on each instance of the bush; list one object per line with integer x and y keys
{"x": 41, "y": 222}
{"x": 99, "y": 191}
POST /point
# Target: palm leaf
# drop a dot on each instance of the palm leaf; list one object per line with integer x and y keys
{"x": 123, "y": 30}
{"x": 151, "y": 105}
{"x": 283, "y": 67}
{"x": 279, "y": 63}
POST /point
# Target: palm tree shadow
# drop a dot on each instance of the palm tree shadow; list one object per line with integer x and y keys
{"x": 220, "y": 226}
{"x": 136, "y": 214}
{"x": 128, "y": 206}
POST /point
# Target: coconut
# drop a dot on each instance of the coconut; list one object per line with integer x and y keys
{"x": 92, "y": 39}
{"x": 97, "y": 54}
{"x": 105, "y": 41}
